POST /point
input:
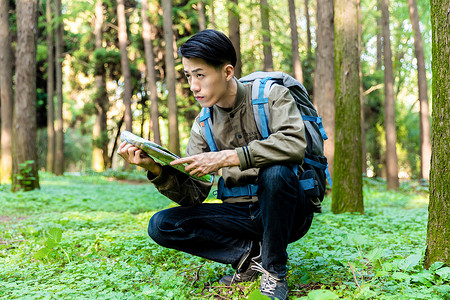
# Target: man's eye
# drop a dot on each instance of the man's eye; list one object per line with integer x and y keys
{"x": 200, "y": 75}
{"x": 187, "y": 76}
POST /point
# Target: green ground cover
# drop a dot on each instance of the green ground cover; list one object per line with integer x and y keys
{"x": 85, "y": 237}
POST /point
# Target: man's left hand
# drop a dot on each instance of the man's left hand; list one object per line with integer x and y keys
{"x": 208, "y": 162}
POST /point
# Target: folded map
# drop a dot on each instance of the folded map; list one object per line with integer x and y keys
{"x": 160, "y": 154}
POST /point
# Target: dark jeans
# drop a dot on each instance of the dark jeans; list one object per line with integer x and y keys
{"x": 223, "y": 232}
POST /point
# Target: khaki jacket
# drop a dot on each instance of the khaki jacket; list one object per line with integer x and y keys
{"x": 237, "y": 129}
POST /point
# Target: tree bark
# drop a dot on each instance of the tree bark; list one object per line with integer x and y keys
{"x": 296, "y": 64}
{"x": 125, "y": 63}
{"x": 59, "y": 130}
{"x": 425, "y": 138}
{"x": 324, "y": 74}
{"x": 308, "y": 28}
{"x": 99, "y": 134}
{"x": 6, "y": 94}
{"x": 389, "y": 106}
{"x": 201, "y": 15}
{"x": 438, "y": 233}
{"x": 148, "y": 36}
{"x": 347, "y": 181}
{"x": 234, "y": 34}
{"x": 267, "y": 46}
{"x": 50, "y": 89}
{"x": 174, "y": 140}
{"x": 25, "y": 152}
{"x": 213, "y": 15}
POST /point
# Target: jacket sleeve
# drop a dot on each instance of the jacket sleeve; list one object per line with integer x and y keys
{"x": 286, "y": 143}
{"x": 179, "y": 187}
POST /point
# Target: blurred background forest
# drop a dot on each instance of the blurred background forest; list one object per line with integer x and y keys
{"x": 98, "y": 64}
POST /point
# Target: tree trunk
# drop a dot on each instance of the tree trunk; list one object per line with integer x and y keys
{"x": 425, "y": 140}
{"x": 125, "y": 63}
{"x": 347, "y": 181}
{"x": 59, "y": 131}
{"x": 361, "y": 98}
{"x": 174, "y": 140}
{"x": 389, "y": 106}
{"x": 308, "y": 28}
{"x": 296, "y": 64}
{"x": 148, "y": 36}
{"x": 201, "y": 15}
{"x": 324, "y": 74}
{"x": 50, "y": 90}
{"x": 234, "y": 34}
{"x": 438, "y": 235}
{"x": 25, "y": 152}
{"x": 213, "y": 15}
{"x": 99, "y": 134}
{"x": 6, "y": 94}
{"x": 267, "y": 47}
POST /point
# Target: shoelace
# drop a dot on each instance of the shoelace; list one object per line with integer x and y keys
{"x": 268, "y": 282}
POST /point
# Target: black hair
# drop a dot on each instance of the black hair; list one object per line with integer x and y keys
{"x": 214, "y": 47}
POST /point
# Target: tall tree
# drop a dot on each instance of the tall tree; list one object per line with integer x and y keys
{"x": 99, "y": 134}
{"x": 308, "y": 28}
{"x": 347, "y": 177}
{"x": 324, "y": 74}
{"x": 213, "y": 15}
{"x": 425, "y": 138}
{"x": 438, "y": 235}
{"x": 389, "y": 102}
{"x": 267, "y": 44}
{"x": 148, "y": 36}
{"x": 235, "y": 34}
{"x": 25, "y": 151}
{"x": 296, "y": 64}
{"x": 6, "y": 94}
{"x": 59, "y": 130}
{"x": 201, "y": 15}
{"x": 50, "y": 89}
{"x": 174, "y": 139}
{"x": 125, "y": 63}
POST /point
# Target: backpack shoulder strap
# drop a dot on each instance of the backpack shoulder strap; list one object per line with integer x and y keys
{"x": 260, "y": 103}
{"x": 206, "y": 125}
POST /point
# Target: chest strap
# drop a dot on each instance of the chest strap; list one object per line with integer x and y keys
{"x": 237, "y": 191}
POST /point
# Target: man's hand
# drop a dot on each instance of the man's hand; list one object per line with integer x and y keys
{"x": 206, "y": 163}
{"x": 136, "y": 156}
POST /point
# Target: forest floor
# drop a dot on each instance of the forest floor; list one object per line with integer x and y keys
{"x": 85, "y": 237}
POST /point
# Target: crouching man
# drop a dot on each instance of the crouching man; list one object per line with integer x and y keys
{"x": 263, "y": 209}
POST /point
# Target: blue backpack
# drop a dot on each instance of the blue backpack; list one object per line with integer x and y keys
{"x": 315, "y": 167}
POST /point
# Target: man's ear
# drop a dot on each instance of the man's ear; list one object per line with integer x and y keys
{"x": 229, "y": 72}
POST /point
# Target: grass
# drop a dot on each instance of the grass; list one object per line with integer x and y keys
{"x": 85, "y": 237}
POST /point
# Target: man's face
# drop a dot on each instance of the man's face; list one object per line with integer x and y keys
{"x": 209, "y": 84}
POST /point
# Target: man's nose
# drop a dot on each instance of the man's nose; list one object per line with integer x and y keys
{"x": 195, "y": 87}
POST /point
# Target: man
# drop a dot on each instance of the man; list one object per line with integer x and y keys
{"x": 250, "y": 231}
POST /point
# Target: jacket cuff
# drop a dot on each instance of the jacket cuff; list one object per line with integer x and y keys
{"x": 160, "y": 179}
{"x": 246, "y": 159}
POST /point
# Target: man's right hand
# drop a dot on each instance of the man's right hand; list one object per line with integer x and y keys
{"x": 134, "y": 155}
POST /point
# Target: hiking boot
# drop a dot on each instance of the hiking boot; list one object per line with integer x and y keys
{"x": 245, "y": 269}
{"x": 271, "y": 285}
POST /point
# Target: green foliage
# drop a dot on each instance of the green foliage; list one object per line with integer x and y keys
{"x": 25, "y": 177}
{"x": 84, "y": 236}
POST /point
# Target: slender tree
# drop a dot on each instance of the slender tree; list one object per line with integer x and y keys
{"x": 59, "y": 130}
{"x": 347, "y": 177}
{"x": 425, "y": 134}
{"x": 324, "y": 74}
{"x": 174, "y": 140}
{"x": 125, "y": 63}
{"x": 389, "y": 103}
{"x": 308, "y": 28}
{"x": 213, "y": 15}
{"x": 99, "y": 134}
{"x": 235, "y": 34}
{"x": 438, "y": 234}
{"x": 267, "y": 45}
{"x": 148, "y": 36}
{"x": 6, "y": 94}
{"x": 296, "y": 64}
{"x": 50, "y": 89}
{"x": 24, "y": 130}
{"x": 201, "y": 15}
